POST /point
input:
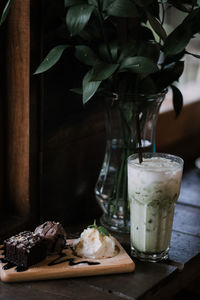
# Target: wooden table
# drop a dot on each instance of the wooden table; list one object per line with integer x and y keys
{"x": 150, "y": 280}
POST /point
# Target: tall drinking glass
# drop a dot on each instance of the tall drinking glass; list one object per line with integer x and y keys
{"x": 153, "y": 189}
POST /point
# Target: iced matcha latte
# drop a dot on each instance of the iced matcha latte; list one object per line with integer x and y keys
{"x": 153, "y": 188}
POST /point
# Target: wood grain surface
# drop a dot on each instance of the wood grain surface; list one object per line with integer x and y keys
{"x": 120, "y": 263}
{"x": 18, "y": 106}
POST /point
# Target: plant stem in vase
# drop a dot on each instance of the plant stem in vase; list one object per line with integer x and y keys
{"x": 123, "y": 139}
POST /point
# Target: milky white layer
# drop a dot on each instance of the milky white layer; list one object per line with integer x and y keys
{"x": 153, "y": 188}
{"x": 92, "y": 244}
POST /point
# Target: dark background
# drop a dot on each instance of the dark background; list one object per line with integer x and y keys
{"x": 72, "y": 134}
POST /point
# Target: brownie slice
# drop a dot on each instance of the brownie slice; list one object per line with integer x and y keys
{"x": 25, "y": 249}
{"x": 54, "y": 234}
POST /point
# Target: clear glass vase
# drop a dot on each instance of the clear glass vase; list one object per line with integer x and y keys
{"x": 122, "y": 115}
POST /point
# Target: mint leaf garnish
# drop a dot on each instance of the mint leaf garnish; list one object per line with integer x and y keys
{"x": 103, "y": 231}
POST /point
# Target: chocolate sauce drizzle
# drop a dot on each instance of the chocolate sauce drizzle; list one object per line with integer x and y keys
{"x": 3, "y": 260}
{"x": 8, "y": 265}
{"x": 71, "y": 261}
{"x": 20, "y": 269}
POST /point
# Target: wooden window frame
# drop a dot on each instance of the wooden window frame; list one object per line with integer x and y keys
{"x": 21, "y": 123}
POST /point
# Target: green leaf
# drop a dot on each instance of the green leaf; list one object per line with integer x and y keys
{"x": 77, "y": 17}
{"x": 103, "y": 51}
{"x": 125, "y": 8}
{"x": 85, "y": 55}
{"x": 103, "y": 231}
{"x": 180, "y": 37}
{"x": 157, "y": 27}
{"x": 106, "y": 3}
{"x": 5, "y": 11}
{"x": 139, "y": 65}
{"x": 89, "y": 87}
{"x": 102, "y": 71}
{"x": 69, "y": 3}
{"x": 176, "y": 41}
{"x": 51, "y": 59}
{"x": 177, "y": 100}
{"x": 171, "y": 73}
{"x": 114, "y": 49}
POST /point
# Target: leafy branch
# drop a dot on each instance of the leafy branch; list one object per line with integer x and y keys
{"x": 93, "y": 27}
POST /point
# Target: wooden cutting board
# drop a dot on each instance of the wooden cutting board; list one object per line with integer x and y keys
{"x": 120, "y": 263}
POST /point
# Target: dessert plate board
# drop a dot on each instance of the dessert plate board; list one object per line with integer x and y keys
{"x": 120, "y": 263}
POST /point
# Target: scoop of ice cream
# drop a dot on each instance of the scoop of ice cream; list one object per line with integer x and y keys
{"x": 54, "y": 234}
{"x": 92, "y": 244}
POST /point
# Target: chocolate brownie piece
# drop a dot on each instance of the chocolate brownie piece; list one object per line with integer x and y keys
{"x": 54, "y": 234}
{"x": 25, "y": 249}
